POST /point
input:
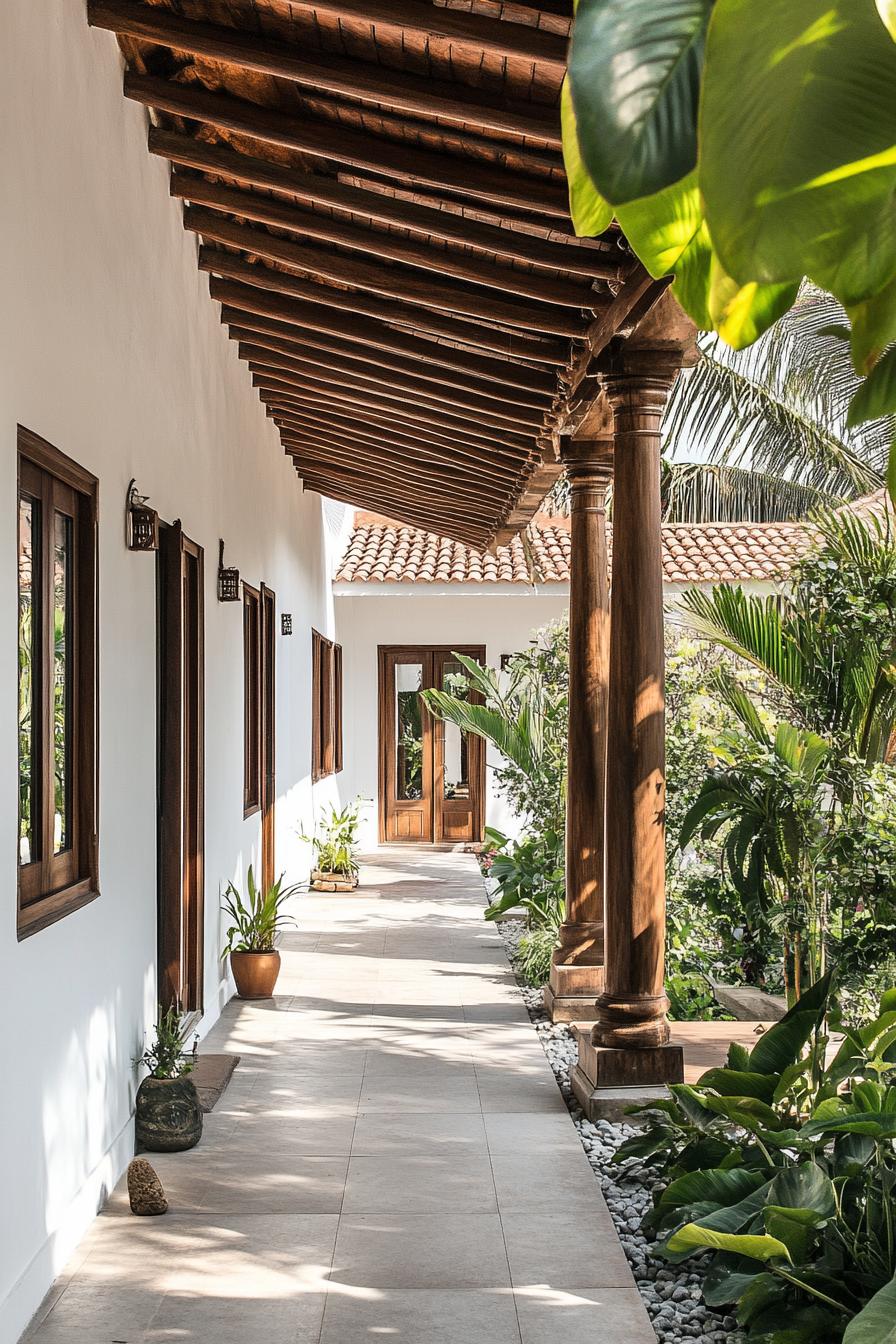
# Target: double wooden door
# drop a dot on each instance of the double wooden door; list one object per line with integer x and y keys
{"x": 180, "y": 770}
{"x": 432, "y": 775}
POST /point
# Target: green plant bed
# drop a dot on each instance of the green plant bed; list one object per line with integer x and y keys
{"x": 782, "y": 1165}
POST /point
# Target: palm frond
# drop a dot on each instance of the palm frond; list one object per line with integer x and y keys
{"x": 711, "y": 492}
{"x": 780, "y": 406}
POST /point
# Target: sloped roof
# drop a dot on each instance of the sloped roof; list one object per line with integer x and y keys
{"x": 383, "y": 551}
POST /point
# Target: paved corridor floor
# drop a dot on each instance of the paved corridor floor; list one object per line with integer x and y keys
{"x": 391, "y": 1162}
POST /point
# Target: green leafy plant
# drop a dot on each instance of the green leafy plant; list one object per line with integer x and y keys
{"x": 258, "y": 918}
{"x": 782, "y": 1165}
{"x": 168, "y": 1056}
{"x": 743, "y": 145}
{"x": 335, "y": 841}
{"x": 529, "y": 873}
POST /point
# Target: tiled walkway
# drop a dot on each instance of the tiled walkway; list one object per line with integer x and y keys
{"x": 392, "y": 1160}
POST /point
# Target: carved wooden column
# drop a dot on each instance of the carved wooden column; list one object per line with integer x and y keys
{"x": 577, "y": 967}
{"x": 629, "y": 1044}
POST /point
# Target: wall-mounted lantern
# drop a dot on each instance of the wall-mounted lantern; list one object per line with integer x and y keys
{"x": 228, "y": 579}
{"x": 141, "y": 522}
{"x": 286, "y": 623}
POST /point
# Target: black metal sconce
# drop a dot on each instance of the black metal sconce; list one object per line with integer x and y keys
{"x": 286, "y": 623}
{"x": 228, "y": 579}
{"x": 141, "y": 522}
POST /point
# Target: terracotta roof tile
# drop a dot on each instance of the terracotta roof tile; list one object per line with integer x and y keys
{"x": 382, "y": 551}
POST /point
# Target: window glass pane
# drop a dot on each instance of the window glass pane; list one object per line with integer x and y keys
{"x": 456, "y": 753}
{"x": 29, "y": 586}
{"x": 409, "y": 730}
{"x": 62, "y": 605}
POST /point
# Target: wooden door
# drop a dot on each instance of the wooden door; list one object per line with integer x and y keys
{"x": 180, "y": 771}
{"x": 458, "y": 761}
{"x": 431, "y": 776}
{"x": 406, "y": 812}
{"x": 268, "y": 732}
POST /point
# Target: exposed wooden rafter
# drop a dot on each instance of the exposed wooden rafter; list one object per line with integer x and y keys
{"x": 379, "y": 196}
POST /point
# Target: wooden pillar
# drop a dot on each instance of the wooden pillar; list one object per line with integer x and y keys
{"x": 629, "y": 1043}
{"x": 577, "y": 967}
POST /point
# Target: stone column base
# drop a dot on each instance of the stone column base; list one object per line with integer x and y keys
{"x": 605, "y": 1081}
{"x": 571, "y": 993}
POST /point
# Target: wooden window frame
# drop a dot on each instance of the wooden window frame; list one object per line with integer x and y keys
{"x": 253, "y": 709}
{"x": 326, "y": 707}
{"x": 53, "y": 886}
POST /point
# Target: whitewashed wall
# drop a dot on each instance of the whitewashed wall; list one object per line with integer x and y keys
{"x": 503, "y": 617}
{"x": 111, "y": 348}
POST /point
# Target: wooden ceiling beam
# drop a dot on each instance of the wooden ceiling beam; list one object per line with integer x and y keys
{"x": 506, "y": 345}
{"x": 357, "y": 149}
{"x": 425, "y": 442}
{"x": 367, "y": 438}
{"x": 427, "y": 220}
{"x": 279, "y": 382}
{"x": 532, "y": 285}
{"x": 500, "y": 37}
{"x": 283, "y": 339}
{"x": 373, "y": 335}
{"x": 353, "y": 373}
{"x": 392, "y": 498}
{"x": 390, "y": 282}
{"x": 329, "y": 451}
{"x": 331, "y": 403}
{"x": 412, "y": 94}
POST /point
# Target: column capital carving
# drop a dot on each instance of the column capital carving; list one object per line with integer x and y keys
{"x": 588, "y": 461}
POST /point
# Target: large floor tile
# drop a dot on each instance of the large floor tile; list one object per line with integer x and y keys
{"x": 453, "y": 1183}
{"x": 421, "y": 1316}
{"x": 377, "y": 1134}
{"x": 583, "y": 1316}
{"x": 421, "y": 1251}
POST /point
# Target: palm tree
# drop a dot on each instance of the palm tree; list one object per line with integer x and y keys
{"x": 771, "y": 424}
{"x": 827, "y": 646}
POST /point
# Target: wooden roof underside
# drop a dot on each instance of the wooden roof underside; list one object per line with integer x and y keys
{"x": 379, "y": 193}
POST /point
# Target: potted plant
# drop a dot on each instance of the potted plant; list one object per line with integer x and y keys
{"x": 168, "y": 1114}
{"x": 257, "y": 922}
{"x": 335, "y": 848}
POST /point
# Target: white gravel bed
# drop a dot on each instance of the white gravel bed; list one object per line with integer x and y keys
{"x": 671, "y": 1293}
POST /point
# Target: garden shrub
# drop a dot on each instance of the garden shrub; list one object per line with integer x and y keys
{"x": 782, "y": 1166}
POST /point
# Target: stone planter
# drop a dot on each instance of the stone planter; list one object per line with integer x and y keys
{"x": 321, "y": 881}
{"x": 255, "y": 973}
{"x": 169, "y": 1117}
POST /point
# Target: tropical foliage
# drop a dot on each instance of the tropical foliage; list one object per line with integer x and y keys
{"x": 258, "y": 918}
{"x": 782, "y": 1166}
{"x": 771, "y": 423}
{"x": 335, "y": 842}
{"x": 743, "y": 145}
{"x": 801, "y": 766}
{"x": 168, "y": 1056}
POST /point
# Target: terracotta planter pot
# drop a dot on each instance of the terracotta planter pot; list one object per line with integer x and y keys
{"x": 169, "y": 1117}
{"x": 255, "y": 973}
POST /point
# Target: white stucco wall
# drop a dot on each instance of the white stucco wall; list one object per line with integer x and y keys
{"x": 111, "y": 348}
{"x": 503, "y": 617}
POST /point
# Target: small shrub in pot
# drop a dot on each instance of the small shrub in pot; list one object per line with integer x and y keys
{"x": 335, "y": 850}
{"x": 168, "y": 1114}
{"x": 257, "y": 921}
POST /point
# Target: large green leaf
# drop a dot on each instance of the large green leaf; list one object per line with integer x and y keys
{"x": 781, "y": 1045}
{"x": 635, "y": 75}
{"x": 876, "y": 1322}
{"x": 722, "y": 1188}
{"x": 803, "y": 1187}
{"x": 763, "y": 1248}
{"x": 734, "y": 1083}
{"x": 669, "y": 234}
{"x": 798, "y": 143}
{"x": 741, "y": 313}
{"x": 590, "y": 212}
{"x": 876, "y": 397}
